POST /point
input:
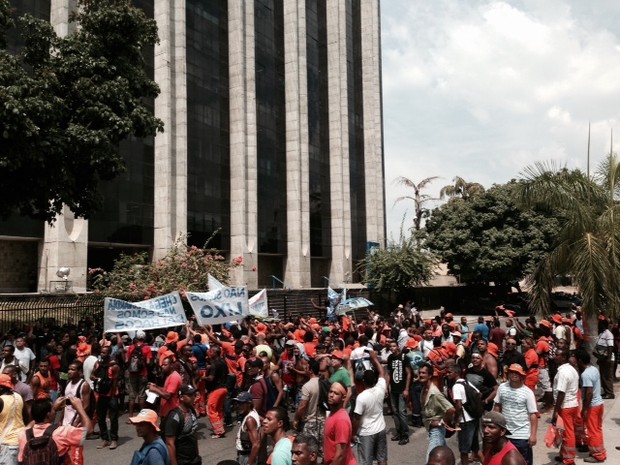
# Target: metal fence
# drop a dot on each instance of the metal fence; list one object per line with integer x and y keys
{"x": 17, "y": 311}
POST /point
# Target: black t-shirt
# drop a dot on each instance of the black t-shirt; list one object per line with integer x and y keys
{"x": 219, "y": 370}
{"x": 182, "y": 426}
{"x": 398, "y": 375}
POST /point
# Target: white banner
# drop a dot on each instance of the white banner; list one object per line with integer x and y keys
{"x": 214, "y": 284}
{"x": 259, "y": 305}
{"x": 161, "y": 312}
{"x": 220, "y": 305}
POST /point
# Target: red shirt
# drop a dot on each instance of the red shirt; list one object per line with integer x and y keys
{"x": 172, "y": 385}
{"x": 542, "y": 347}
{"x": 338, "y": 431}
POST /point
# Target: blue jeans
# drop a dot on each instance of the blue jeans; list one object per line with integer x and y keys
{"x": 523, "y": 446}
{"x": 399, "y": 411}
{"x": 436, "y": 437}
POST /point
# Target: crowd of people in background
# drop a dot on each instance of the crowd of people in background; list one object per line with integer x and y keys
{"x": 312, "y": 389}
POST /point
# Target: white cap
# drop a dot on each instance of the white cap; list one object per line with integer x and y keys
{"x": 140, "y": 334}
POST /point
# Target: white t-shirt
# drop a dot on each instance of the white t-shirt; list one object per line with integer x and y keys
{"x": 361, "y": 354}
{"x": 25, "y": 357}
{"x": 369, "y": 405}
{"x": 605, "y": 339}
{"x": 87, "y": 369}
{"x": 567, "y": 380}
{"x": 560, "y": 332}
{"x": 458, "y": 393}
{"x": 517, "y": 405}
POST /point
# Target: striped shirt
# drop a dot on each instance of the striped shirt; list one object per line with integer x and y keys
{"x": 517, "y": 405}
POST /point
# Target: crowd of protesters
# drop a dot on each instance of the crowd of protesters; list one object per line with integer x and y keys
{"x": 310, "y": 389}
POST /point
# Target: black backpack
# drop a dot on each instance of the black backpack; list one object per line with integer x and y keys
{"x": 41, "y": 450}
{"x": 271, "y": 392}
{"x": 473, "y": 406}
{"x": 324, "y": 386}
{"x": 136, "y": 361}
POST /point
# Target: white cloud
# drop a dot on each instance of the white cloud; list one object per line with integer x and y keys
{"x": 480, "y": 89}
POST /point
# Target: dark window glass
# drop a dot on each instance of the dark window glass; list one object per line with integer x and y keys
{"x": 127, "y": 213}
{"x": 318, "y": 129}
{"x": 271, "y": 125}
{"x": 356, "y": 131}
{"x": 208, "y": 148}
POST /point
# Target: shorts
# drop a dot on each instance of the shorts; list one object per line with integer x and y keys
{"x": 468, "y": 436}
{"x": 373, "y": 447}
{"x": 136, "y": 387}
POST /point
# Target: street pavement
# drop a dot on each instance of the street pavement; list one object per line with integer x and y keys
{"x": 213, "y": 451}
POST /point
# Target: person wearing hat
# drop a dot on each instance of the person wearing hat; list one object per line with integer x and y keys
{"x": 340, "y": 374}
{"x": 180, "y": 429}
{"x": 518, "y": 405}
{"x": 511, "y": 355}
{"x": 500, "y": 451}
{"x": 248, "y": 443}
{"x": 11, "y": 421}
{"x": 153, "y": 449}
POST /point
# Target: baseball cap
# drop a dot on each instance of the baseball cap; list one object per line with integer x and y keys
{"x": 545, "y": 323}
{"x": 495, "y": 418}
{"x": 171, "y": 337}
{"x": 290, "y": 342}
{"x": 146, "y": 416}
{"x": 140, "y": 334}
{"x": 243, "y": 397}
{"x": 557, "y": 318}
{"x": 187, "y": 390}
{"x": 338, "y": 354}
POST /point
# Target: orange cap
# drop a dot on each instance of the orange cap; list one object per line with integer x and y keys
{"x": 337, "y": 354}
{"x": 557, "y": 318}
{"x": 545, "y": 323}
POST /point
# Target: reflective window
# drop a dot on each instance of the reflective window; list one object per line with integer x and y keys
{"x": 208, "y": 147}
{"x": 271, "y": 126}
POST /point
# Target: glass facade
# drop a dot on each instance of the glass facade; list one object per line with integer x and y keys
{"x": 356, "y": 132}
{"x": 208, "y": 146}
{"x": 318, "y": 129}
{"x": 271, "y": 126}
{"x": 126, "y": 216}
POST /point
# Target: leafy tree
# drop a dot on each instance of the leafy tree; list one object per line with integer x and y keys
{"x": 67, "y": 103}
{"x": 460, "y": 189}
{"x": 489, "y": 238}
{"x": 588, "y": 240}
{"x": 184, "y": 268}
{"x": 399, "y": 266}
{"x": 419, "y": 199}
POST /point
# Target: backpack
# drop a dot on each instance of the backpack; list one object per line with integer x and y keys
{"x": 41, "y": 450}
{"x": 359, "y": 369}
{"x": 139, "y": 456}
{"x": 324, "y": 386}
{"x": 136, "y": 361}
{"x": 103, "y": 383}
{"x": 473, "y": 405}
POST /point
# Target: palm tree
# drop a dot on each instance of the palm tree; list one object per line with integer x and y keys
{"x": 419, "y": 199}
{"x": 461, "y": 189}
{"x": 588, "y": 243}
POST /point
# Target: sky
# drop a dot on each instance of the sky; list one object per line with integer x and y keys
{"x": 482, "y": 89}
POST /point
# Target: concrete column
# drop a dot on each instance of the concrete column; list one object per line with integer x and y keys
{"x": 297, "y": 273}
{"x": 243, "y": 141}
{"x": 65, "y": 243}
{"x": 373, "y": 120}
{"x": 339, "y": 139}
{"x": 170, "y": 213}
